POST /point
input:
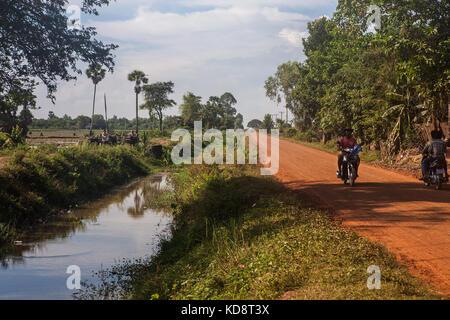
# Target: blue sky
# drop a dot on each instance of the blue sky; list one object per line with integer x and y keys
{"x": 207, "y": 47}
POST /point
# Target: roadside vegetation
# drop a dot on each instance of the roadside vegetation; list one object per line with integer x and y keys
{"x": 238, "y": 235}
{"x": 390, "y": 83}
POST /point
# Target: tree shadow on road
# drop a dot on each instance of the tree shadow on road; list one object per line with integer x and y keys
{"x": 383, "y": 202}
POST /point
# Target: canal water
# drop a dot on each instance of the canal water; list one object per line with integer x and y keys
{"x": 122, "y": 225}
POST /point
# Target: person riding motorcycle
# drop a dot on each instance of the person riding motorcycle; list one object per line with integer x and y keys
{"x": 346, "y": 142}
{"x": 436, "y": 149}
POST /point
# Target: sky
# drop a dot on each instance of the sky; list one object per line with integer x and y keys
{"x": 207, "y": 47}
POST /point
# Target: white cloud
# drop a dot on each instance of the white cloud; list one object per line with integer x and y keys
{"x": 232, "y": 46}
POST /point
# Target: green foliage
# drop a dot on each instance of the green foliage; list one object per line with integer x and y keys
{"x": 218, "y": 112}
{"x": 41, "y": 46}
{"x": 280, "y": 86}
{"x": 14, "y": 138}
{"x": 267, "y": 123}
{"x": 157, "y": 99}
{"x": 96, "y": 73}
{"x": 7, "y": 234}
{"x": 308, "y": 136}
{"x": 3, "y": 139}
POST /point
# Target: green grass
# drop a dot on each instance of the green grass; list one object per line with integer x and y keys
{"x": 241, "y": 236}
{"x": 37, "y": 183}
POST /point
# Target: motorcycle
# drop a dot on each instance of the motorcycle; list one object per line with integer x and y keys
{"x": 349, "y": 165}
{"x": 435, "y": 174}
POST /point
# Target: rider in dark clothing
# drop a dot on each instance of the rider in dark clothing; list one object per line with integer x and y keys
{"x": 347, "y": 142}
{"x": 436, "y": 149}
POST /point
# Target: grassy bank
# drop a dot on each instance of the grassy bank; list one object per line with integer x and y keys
{"x": 238, "y": 235}
{"x": 330, "y": 147}
{"x": 38, "y": 183}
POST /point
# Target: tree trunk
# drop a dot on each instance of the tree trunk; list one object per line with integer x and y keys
{"x": 93, "y": 110}
{"x": 137, "y": 114}
{"x": 448, "y": 122}
{"x": 160, "y": 122}
{"x": 325, "y": 137}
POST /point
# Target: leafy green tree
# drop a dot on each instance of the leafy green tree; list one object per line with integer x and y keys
{"x": 255, "y": 124}
{"x": 139, "y": 78}
{"x": 157, "y": 99}
{"x": 280, "y": 86}
{"x": 99, "y": 122}
{"x": 96, "y": 73}
{"x": 227, "y": 111}
{"x": 239, "y": 121}
{"x": 267, "y": 123}
{"x": 191, "y": 109}
{"x": 10, "y": 104}
{"x": 382, "y": 84}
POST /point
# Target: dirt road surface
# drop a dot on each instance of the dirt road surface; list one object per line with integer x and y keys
{"x": 395, "y": 210}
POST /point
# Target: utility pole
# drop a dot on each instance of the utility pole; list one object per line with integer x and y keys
{"x": 106, "y": 115}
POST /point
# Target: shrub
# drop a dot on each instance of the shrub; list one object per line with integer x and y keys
{"x": 308, "y": 136}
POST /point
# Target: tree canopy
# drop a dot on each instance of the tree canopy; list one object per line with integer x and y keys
{"x": 157, "y": 99}
{"x": 37, "y": 45}
{"x": 217, "y": 112}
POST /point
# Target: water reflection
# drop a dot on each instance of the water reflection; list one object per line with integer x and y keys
{"x": 124, "y": 224}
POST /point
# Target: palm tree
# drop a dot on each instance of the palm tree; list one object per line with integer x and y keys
{"x": 96, "y": 73}
{"x": 139, "y": 78}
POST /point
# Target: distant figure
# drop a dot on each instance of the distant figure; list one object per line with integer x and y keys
{"x": 436, "y": 149}
{"x": 347, "y": 142}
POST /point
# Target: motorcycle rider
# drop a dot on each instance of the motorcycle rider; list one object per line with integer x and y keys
{"x": 435, "y": 149}
{"x": 347, "y": 141}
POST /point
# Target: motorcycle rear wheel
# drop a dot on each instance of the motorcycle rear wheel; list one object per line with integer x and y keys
{"x": 353, "y": 177}
{"x": 438, "y": 185}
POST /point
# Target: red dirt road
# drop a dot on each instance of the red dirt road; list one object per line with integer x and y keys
{"x": 395, "y": 210}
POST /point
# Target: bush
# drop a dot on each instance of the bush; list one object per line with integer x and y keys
{"x": 3, "y": 138}
{"x": 308, "y": 136}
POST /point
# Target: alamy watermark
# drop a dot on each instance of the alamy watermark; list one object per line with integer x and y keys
{"x": 74, "y": 280}
{"x": 236, "y": 141}
{"x": 374, "y": 281}
{"x": 374, "y": 19}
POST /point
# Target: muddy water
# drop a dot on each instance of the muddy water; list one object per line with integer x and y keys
{"x": 123, "y": 225}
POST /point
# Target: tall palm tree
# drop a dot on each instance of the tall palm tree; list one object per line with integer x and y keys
{"x": 139, "y": 78}
{"x": 96, "y": 73}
